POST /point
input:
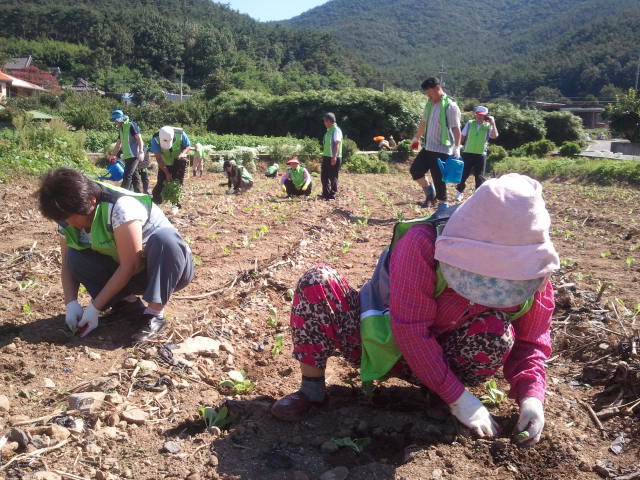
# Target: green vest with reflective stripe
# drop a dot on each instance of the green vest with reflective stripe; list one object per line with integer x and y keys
{"x": 379, "y": 349}
{"x": 476, "y": 141}
{"x": 442, "y": 120}
{"x": 328, "y": 140}
{"x": 124, "y": 140}
{"x": 297, "y": 177}
{"x": 171, "y": 155}
{"x": 102, "y": 240}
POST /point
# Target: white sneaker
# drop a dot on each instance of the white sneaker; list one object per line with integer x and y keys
{"x": 459, "y": 196}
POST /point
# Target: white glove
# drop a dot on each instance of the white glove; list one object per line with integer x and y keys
{"x": 531, "y": 418}
{"x": 141, "y": 157}
{"x": 456, "y": 151}
{"x": 73, "y": 315}
{"x": 89, "y": 320}
{"x": 473, "y": 414}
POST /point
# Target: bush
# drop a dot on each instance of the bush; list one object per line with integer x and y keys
{"x": 624, "y": 115}
{"x": 517, "y": 126}
{"x": 534, "y": 149}
{"x": 280, "y": 152}
{"x": 361, "y": 163}
{"x": 495, "y": 154}
{"x": 563, "y": 126}
{"x": 384, "y": 156}
{"x": 245, "y": 156}
{"x": 349, "y": 147}
{"x": 97, "y": 140}
{"x": 570, "y": 149}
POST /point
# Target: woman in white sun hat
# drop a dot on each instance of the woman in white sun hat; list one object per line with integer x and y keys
{"x": 443, "y": 310}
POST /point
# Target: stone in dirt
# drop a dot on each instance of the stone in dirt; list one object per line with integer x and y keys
{"x": 56, "y": 432}
{"x": 4, "y": 403}
{"x": 172, "y": 447}
{"x": 87, "y": 402}
{"x": 48, "y": 383}
{"x": 19, "y": 436}
{"x": 203, "y": 345}
{"x": 338, "y": 473}
{"x": 135, "y": 415}
{"x": 147, "y": 365}
{"x": 329, "y": 447}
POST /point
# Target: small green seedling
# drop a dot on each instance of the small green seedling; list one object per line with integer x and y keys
{"x": 272, "y": 321}
{"x": 357, "y": 444}
{"x": 290, "y": 294}
{"x": 494, "y": 395}
{"x": 238, "y": 382}
{"x": 522, "y": 436}
{"x": 26, "y": 308}
{"x": 277, "y": 346}
{"x": 345, "y": 246}
{"x": 68, "y": 332}
{"x": 629, "y": 262}
{"x": 171, "y": 192}
{"x": 26, "y": 284}
{"x": 606, "y": 254}
{"x": 215, "y": 418}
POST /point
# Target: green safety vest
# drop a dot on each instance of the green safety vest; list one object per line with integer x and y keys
{"x": 379, "y": 349}
{"x": 200, "y": 151}
{"x": 171, "y": 155}
{"x": 444, "y": 130}
{"x": 297, "y": 177}
{"x": 327, "y": 142}
{"x": 273, "y": 169}
{"x": 102, "y": 240}
{"x": 124, "y": 140}
{"x": 477, "y": 138}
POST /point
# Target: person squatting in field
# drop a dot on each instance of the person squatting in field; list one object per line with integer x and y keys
{"x": 296, "y": 180}
{"x": 239, "y": 180}
{"x": 445, "y": 310}
{"x": 118, "y": 244}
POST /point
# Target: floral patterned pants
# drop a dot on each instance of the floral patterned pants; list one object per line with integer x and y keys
{"x": 325, "y": 321}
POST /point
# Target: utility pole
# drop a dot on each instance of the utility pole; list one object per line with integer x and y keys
{"x": 442, "y": 73}
{"x": 637, "y": 72}
{"x": 181, "y": 74}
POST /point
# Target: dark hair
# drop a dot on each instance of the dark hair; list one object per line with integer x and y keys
{"x": 64, "y": 192}
{"x": 330, "y": 117}
{"x": 430, "y": 82}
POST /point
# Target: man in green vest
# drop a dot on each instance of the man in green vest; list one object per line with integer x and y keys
{"x": 132, "y": 146}
{"x": 475, "y": 136}
{"x": 439, "y": 134}
{"x": 239, "y": 180}
{"x": 331, "y": 157}
{"x": 170, "y": 146}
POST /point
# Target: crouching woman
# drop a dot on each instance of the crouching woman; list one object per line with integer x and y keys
{"x": 442, "y": 309}
{"x": 118, "y": 244}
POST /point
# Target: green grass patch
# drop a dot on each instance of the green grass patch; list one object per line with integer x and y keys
{"x": 587, "y": 170}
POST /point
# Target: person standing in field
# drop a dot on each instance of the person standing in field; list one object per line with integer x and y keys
{"x": 132, "y": 146}
{"x": 331, "y": 157}
{"x": 439, "y": 133}
{"x": 475, "y": 137}
{"x": 198, "y": 159}
{"x": 170, "y": 146}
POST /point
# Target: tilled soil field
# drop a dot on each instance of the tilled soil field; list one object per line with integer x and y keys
{"x": 142, "y": 419}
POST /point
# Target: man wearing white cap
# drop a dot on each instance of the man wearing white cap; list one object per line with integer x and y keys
{"x": 475, "y": 136}
{"x": 170, "y": 146}
{"x": 445, "y": 308}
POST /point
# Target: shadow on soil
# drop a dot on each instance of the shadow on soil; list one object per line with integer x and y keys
{"x": 109, "y": 335}
{"x": 347, "y": 215}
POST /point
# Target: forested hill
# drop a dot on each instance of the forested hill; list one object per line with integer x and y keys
{"x": 408, "y": 39}
{"x": 107, "y": 41}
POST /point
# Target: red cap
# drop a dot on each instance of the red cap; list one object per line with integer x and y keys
{"x": 293, "y": 161}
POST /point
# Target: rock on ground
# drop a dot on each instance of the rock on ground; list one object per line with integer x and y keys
{"x": 87, "y": 402}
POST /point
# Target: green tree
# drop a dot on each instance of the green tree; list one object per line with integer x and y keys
{"x": 624, "y": 115}
{"x": 476, "y": 88}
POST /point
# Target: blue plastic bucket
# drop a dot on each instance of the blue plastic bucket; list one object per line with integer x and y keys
{"x": 116, "y": 172}
{"x": 451, "y": 169}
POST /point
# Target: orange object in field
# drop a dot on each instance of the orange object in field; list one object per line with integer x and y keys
{"x": 378, "y": 138}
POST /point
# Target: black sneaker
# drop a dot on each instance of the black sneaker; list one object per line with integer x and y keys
{"x": 125, "y": 310}
{"x": 152, "y": 325}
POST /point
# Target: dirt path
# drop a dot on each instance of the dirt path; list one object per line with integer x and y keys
{"x": 250, "y": 249}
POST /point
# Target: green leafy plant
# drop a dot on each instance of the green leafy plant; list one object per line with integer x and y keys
{"x": 26, "y": 284}
{"x": 522, "y": 436}
{"x": 278, "y": 343}
{"x": 606, "y": 254}
{"x": 215, "y": 418}
{"x": 172, "y": 192}
{"x": 356, "y": 444}
{"x": 272, "y": 320}
{"x": 26, "y": 308}
{"x": 261, "y": 232}
{"x": 566, "y": 262}
{"x": 494, "y": 395}
{"x": 629, "y": 261}
{"x": 238, "y": 381}
{"x": 345, "y": 246}
{"x": 289, "y": 294}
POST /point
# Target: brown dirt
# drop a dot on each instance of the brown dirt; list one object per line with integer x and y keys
{"x": 253, "y": 248}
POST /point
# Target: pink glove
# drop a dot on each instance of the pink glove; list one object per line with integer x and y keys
{"x": 531, "y": 419}
{"x": 474, "y": 415}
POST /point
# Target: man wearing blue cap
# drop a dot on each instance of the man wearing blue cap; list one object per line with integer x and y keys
{"x": 475, "y": 136}
{"x": 132, "y": 146}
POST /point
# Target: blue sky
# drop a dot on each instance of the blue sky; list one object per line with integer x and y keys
{"x": 266, "y": 10}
